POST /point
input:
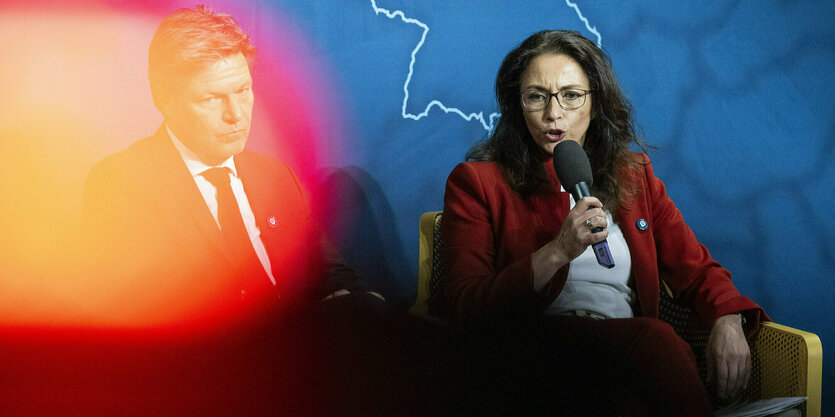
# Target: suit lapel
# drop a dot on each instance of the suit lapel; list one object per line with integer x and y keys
{"x": 255, "y": 183}
{"x": 176, "y": 184}
{"x": 266, "y": 195}
{"x": 642, "y": 251}
{"x": 261, "y": 195}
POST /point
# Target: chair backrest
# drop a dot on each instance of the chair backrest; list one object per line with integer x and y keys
{"x": 428, "y": 262}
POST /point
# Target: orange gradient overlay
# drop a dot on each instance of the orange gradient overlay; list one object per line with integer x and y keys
{"x": 75, "y": 89}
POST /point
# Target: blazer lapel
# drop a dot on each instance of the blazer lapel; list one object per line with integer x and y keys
{"x": 642, "y": 251}
{"x": 177, "y": 185}
{"x": 261, "y": 195}
{"x": 259, "y": 192}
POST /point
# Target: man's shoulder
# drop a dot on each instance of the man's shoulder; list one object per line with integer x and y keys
{"x": 128, "y": 160}
{"x": 261, "y": 160}
{"x": 253, "y": 164}
{"x": 118, "y": 182}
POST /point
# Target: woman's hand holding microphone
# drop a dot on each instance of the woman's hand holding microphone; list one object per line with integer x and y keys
{"x": 574, "y": 237}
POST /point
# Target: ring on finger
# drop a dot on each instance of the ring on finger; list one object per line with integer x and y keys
{"x": 588, "y": 224}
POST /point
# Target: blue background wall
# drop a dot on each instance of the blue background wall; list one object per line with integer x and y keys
{"x": 738, "y": 98}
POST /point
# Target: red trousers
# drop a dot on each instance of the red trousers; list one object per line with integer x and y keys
{"x": 577, "y": 366}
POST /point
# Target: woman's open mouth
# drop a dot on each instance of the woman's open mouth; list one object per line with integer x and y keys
{"x": 555, "y": 135}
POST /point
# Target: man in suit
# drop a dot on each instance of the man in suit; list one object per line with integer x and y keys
{"x": 189, "y": 226}
{"x": 190, "y": 222}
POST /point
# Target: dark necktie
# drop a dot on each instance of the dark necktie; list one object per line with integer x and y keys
{"x": 232, "y": 226}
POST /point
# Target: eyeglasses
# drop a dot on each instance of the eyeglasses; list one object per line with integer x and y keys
{"x": 569, "y": 99}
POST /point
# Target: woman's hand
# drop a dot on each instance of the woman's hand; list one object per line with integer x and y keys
{"x": 573, "y": 238}
{"x": 728, "y": 356}
{"x": 575, "y": 235}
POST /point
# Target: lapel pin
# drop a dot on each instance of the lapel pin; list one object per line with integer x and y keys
{"x": 272, "y": 222}
{"x": 642, "y": 224}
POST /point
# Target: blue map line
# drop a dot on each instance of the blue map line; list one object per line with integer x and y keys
{"x": 435, "y": 103}
{"x": 592, "y": 29}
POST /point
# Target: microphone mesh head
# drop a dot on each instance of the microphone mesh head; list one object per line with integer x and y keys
{"x": 572, "y": 164}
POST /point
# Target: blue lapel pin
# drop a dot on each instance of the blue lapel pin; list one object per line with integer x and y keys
{"x": 642, "y": 224}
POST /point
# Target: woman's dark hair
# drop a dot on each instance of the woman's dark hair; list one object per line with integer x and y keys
{"x": 607, "y": 139}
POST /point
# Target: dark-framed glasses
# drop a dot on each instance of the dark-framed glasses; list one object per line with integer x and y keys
{"x": 534, "y": 99}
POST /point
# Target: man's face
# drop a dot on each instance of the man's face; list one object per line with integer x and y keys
{"x": 210, "y": 111}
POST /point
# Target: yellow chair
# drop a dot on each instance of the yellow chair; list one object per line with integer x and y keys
{"x": 786, "y": 362}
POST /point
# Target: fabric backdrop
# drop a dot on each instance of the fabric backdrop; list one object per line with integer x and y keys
{"x": 374, "y": 103}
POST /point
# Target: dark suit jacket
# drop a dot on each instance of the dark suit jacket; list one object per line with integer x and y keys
{"x": 154, "y": 233}
{"x": 490, "y": 233}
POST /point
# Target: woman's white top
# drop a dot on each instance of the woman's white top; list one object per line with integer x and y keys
{"x": 593, "y": 287}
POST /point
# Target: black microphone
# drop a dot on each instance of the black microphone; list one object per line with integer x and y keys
{"x": 574, "y": 172}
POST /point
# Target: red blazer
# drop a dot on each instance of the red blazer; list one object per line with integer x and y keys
{"x": 489, "y": 234}
{"x": 157, "y": 241}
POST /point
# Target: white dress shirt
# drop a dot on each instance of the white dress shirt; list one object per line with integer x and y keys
{"x": 196, "y": 167}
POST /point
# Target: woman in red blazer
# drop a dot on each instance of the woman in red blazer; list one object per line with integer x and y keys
{"x": 517, "y": 247}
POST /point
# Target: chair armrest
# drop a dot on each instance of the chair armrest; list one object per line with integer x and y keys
{"x": 790, "y": 365}
{"x": 426, "y": 256}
